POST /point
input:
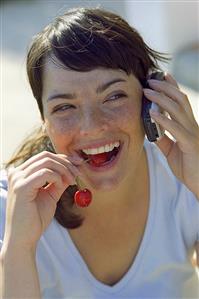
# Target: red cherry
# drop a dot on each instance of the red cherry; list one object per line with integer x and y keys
{"x": 83, "y": 198}
{"x": 98, "y": 159}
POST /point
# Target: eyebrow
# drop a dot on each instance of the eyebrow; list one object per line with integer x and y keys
{"x": 71, "y": 96}
{"x": 104, "y": 86}
{"x": 67, "y": 96}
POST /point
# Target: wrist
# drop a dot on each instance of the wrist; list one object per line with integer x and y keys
{"x": 10, "y": 248}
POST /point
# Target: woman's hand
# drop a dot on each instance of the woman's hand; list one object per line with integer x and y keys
{"x": 34, "y": 188}
{"x": 183, "y": 153}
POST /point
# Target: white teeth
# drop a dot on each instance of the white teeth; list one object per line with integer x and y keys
{"x": 101, "y": 149}
{"x": 107, "y": 148}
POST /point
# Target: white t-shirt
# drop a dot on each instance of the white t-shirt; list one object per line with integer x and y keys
{"x": 162, "y": 267}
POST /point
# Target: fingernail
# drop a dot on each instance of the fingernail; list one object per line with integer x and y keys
{"x": 77, "y": 159}
{"x": 74, "y": 158}
{"x": 148, "y": 91}
{"x": 153, "y": 81}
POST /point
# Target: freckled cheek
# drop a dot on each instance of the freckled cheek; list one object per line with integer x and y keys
{"x": 129, "y": 116}
{"x": 61, "y": 132}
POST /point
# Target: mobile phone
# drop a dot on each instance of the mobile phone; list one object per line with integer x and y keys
{"x": 152, "y": 129}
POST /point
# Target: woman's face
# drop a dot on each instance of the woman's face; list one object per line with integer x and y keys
{"x": 88, "y": 110}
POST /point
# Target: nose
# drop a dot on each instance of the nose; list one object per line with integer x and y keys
{"x": 92, "y": 123}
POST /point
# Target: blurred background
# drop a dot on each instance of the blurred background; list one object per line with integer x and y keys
{"x": 167, "y": 26}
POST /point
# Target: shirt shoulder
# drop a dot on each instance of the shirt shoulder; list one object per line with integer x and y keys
{"x": 182, "y": 203}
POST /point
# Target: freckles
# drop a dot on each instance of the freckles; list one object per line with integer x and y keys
{"x": 64, "y": 126}
{"x": 61, "y": 132}
{"x": 127, "y": 115}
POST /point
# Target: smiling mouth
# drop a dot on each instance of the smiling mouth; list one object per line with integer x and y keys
{"x": 102, "y": 159}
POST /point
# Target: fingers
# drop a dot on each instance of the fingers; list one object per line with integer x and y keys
{"x": 56, "y": 162}
{"x": 165, "y": 144}
{"x": 181, "y": 123}
{"x": 171, "y": 91}
{"x": 53, "y": 169}
{"x": 173, "y": 127}
{"x": 168, "y": 105}
{"x": 26, "y": 189}
{"x": 66, "y": 170}
{"x": 187, "y": 139}
{"x": 56, "y": 185}
{"x": 171, "y": 80}
{"x": 59, "y": 157}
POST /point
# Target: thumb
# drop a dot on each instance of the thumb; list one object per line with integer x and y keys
{"x": 165, "y": 144}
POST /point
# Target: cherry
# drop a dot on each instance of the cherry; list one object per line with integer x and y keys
{"x": 98, "y": 159}
{"x": 83, "y": 198}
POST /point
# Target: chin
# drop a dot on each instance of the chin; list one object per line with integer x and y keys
{"x": 106, "y": 184}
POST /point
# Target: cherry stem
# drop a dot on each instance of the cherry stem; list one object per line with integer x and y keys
{"x": 87, "y": 160}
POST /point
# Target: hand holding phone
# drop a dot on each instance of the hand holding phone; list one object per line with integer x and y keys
{"x": 152, "y": 129}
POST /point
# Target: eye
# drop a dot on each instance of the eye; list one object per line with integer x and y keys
{"x": 116, "y": 96}
{"x": 62, "y": 108}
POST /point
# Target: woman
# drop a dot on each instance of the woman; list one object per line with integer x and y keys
{"x": 87, "y": 71}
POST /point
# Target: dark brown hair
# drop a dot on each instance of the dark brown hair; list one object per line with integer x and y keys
{"x": 83, "y": 39}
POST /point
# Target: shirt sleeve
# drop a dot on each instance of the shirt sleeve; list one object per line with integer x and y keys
{"x": 3, "y": 197}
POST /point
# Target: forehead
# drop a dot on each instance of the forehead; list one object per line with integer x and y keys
{"x": 58, "y": 80}
{"x": 56, "y": 75}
